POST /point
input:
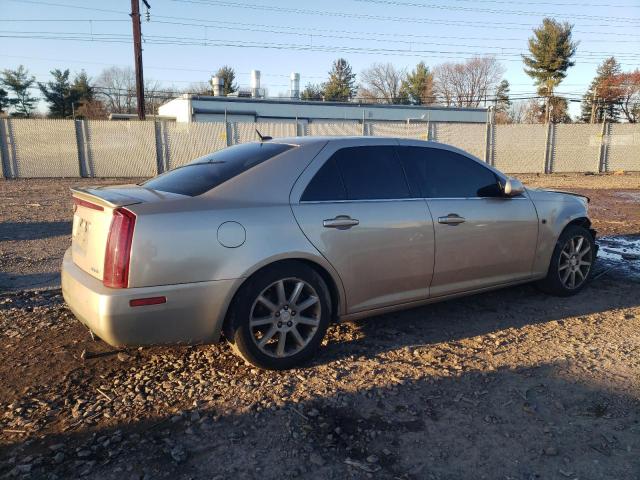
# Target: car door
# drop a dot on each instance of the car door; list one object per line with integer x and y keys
{"x": 353, "y": 203}
{"x": 483, "y": 238}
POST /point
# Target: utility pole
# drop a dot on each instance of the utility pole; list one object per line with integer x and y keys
{"x": 137, "y": 54}
{"x": 593, "y": 104}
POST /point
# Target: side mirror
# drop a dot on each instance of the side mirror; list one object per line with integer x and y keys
{"x": 513, "y": 187}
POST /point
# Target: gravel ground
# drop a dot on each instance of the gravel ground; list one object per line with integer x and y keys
{"x": 510, "y": 384}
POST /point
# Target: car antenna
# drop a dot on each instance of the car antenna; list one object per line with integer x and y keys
{"x": 263, "y": 138}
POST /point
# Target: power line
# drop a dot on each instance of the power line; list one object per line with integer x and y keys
{"x": 196, "y": 41}
{"x": 79, "y": 7}
{"x": 363, "y": 16}
{"x": 501, "y": 12}
{"x": 555, "y": 4}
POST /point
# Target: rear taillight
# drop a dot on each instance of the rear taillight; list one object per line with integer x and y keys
{"x": 118, "y": 254}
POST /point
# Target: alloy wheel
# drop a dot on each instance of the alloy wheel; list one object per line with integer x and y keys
{"x": 575, "y": 262}
{"x": 285, "y": 317}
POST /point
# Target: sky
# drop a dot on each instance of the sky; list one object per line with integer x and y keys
{"x": 186, "y": 41}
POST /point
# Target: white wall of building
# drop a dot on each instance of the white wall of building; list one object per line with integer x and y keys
{"x": 212, "y": 109}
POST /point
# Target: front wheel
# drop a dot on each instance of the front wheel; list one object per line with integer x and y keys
{"x": 571, "y": 262}
{"x": 280, "y": 316}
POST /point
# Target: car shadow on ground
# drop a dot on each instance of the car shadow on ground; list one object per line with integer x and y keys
{"x": 13, "y": 231}
{"x": 480, "y": 314}
{"x": 521, "y": 422}
{"x": 10, "y": 281}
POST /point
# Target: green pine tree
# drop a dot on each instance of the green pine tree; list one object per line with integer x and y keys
{"x": 312, "y": 92}
{"x": 4, "y": 101}
{"x": 228, "y": 74}
{"x": 59, "y": 94}
{"x": 82, "y": 87}
{"x": 341, "y": 85}
{"x": 551, "y": 50}
{"x": 18, "y": 82}
{"x": 418, "y": 86}
{"x": 503, "y": 103}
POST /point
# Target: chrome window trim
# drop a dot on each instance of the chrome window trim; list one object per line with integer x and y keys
{"x": 407, "y": 199}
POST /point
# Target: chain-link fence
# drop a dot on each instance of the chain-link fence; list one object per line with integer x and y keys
{"x": 68, "y": 148}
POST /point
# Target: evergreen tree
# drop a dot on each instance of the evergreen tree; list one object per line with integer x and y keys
{"x": 551, "y": 49}
{"x": 418, "y": 86}
{"x": 58, "y": 94}
{"x": 341, "y": 85}
{"x": 4, "y": 101}
{"x": 82, "y": 87}
{"x": 19, "y": 82}
{"x": 228, "y": 74}
{"x": 503, "y": 103}
{"x": 312, "y": 92}
{"x": 605, "y": 91}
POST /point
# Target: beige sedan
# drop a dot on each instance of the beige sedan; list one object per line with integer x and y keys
{"x": 267, "y": 243}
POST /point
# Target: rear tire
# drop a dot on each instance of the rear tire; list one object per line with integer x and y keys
{"x": 571, "y": 263}
{"x": 279, "y": 316}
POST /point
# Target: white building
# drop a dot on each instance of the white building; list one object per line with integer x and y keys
{"x": 195, "y": 108}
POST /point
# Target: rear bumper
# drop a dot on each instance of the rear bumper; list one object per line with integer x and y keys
{"x": 193, "y": 313}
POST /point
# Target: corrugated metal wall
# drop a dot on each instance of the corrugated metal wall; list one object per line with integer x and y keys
{"x": 64, "y": 148}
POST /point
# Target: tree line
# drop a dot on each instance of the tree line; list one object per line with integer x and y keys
{"x": 613, "y": 94}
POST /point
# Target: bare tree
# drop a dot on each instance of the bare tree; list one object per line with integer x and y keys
{"x": 199, "y": 88}
{"x": 156, "y": 95}
{"x": 469, "y": 83}
{"x": 382, "y": 83}
{"x": 116, "y": 87}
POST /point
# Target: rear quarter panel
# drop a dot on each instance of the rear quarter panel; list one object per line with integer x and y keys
{"x": 177, "y": 241}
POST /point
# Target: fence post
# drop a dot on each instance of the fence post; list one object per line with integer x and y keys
{"x": 7, "y": 153}
{"x": 82, "y": 160}
{"x": 228, "y": 131}
{"x": 84, "y": 151}
{"x": 158, "y": 128}
{"x": 548, "y": 147}
{"x": 488, "y": 150}
{"x": 604, "y": 143}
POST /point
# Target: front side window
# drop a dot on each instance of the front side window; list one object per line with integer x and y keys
{"x": 205, "y": 173}
{"x": 440, "y": 173}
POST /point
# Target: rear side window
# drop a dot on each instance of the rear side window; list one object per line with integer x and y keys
{"x": 209, "y": 171}
{"x": 445, "y": 174}
{"x": 326, "y": 185}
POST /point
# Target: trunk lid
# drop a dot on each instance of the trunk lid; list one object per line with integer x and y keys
{"x": 93, "y": 212}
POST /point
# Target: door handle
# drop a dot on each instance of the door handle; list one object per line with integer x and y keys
{"x": 341, "y": 222}
{"x": 451, "y": 219}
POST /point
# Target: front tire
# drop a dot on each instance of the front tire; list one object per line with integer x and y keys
{"x": 279, "y": 316}
{"x": 571, "y": 263}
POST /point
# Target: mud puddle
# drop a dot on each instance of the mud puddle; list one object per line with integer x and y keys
{"x": 619, "y": 254}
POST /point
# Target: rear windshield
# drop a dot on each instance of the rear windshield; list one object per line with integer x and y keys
{"x": 205, "y": 173}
